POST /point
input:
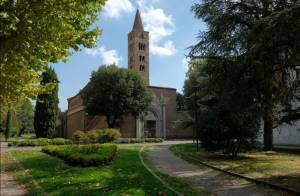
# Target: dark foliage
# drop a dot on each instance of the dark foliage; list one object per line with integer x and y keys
{"x": 46, "y": 109}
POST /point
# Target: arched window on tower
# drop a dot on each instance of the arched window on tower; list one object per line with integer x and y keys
{"x": 142, "y": 67}
{"x": 142, "y": 46}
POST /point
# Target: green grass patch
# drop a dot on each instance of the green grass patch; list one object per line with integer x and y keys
{"x": 280, "y": 168}
{"x": 126, "y": 176}
{"x": 84, "y": 155}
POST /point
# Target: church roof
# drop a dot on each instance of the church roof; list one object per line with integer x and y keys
{"x": 138, "y": 25}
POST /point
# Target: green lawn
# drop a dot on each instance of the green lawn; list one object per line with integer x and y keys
{"x": 126, "y": 176}
{"x": 281, "y": 168}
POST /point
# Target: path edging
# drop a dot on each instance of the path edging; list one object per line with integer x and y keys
{"x": 292, "y": 191}
{"x": 155, "y": 175}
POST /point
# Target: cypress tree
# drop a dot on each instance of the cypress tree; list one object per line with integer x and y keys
{"x": 46, "y": 109}
{"x": 8, "y": 125}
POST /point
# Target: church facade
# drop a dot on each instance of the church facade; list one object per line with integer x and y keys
{"x": 158, "y": 121}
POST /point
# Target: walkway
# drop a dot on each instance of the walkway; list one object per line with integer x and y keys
{"x": 8, "y": 186}
{"x": 204, "y": 178}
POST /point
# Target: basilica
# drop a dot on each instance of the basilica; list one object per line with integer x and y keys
{"x": 158, "y": 121}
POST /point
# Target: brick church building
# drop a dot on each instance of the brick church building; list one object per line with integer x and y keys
{"x": 157, "y": 122}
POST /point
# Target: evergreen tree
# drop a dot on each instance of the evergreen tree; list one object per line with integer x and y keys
{"x": 9, "y": 124}
{"x": 258, "y": 41}
{"x": 46, "y": 109}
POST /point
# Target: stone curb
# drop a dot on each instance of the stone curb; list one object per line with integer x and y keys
{"x": 288, "y": 190}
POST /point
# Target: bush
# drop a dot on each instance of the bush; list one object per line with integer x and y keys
{"x": 93, "y": 135}
{"x": 84, "y": 155}
{"x": 80, "y": 137}
{"x": 60, "y": 141}
{"x": 138, "y": 140}
{"x": 108, "y": 135}
{"x": 41, "y": 142}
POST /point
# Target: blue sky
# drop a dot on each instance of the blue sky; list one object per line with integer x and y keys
{"x": 172, "y": 28}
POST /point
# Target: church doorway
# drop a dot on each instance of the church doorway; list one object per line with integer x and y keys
{"x": 150, "y": 128}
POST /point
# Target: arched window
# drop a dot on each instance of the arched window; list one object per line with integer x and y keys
{"x": 142, "y": 67}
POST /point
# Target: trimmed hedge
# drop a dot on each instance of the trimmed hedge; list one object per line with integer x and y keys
{"x": 41, "y": 142}
{"x": 84, "y": 155}
{"x": 138, "y": 140}
{"x": 101, "y": 136}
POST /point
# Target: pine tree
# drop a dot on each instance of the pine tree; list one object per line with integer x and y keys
{"x": 46, "y": 109}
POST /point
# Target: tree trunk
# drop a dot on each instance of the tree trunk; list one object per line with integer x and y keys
{"x": 21, "y": 131}
{"x": 268, "y": 131}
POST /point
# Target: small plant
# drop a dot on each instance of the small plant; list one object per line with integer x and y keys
{"x": 93, "y": 135}
{"x": 79, "y": 137}
{"x": 108, "y": 135}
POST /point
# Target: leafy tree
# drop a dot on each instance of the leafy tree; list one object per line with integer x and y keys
{"x": 35, "y": 33}
{"x": 257, "y": 39}
{"x": 223, "y": 120}
{"x": 9, "y": 124}
{"x": 115, "y": 92}
{"x": 46, "y": 109}
{"x": 179, "y": 101}
{"x": 25, "y": 116}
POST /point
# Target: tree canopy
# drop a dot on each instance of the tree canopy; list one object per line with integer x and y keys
{"x": 254, "y": 45}
{"x": 35, "y": 33}
{"x": 114, "y": 92}
{"x": 46, "y": 108}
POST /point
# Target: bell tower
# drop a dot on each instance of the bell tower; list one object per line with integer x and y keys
{"x": 138, "y": 49}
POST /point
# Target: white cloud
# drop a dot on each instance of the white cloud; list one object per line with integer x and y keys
{"x": 160, "y": 25}
{"x": 114, "y": 8}
{"x": 107, "y": 56}
{"x": 168, "y": 49}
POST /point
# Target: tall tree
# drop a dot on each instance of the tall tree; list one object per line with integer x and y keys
{"x": 115, "y": 92}
{"x": 34, "y": 33}
{"x": 259, "y": 39}
{"x": 9, "y": 124}
{"x": 46, "y": 109}
{"x": 25, "y": 116}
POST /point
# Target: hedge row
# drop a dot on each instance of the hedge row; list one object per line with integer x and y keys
{"x": 101, "y": 136}
{"x": 138, "y": 140}
{"x": 41, "y": 142}
{"x": 84, "y": 155}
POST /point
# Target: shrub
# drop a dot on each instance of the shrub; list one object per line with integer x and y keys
{"x": 84, "y": 155}
{"x": 93, "y": 135}
{"x": 41, "y": 142}
{"x": 79, "y": 137}
{"x": 138, "y": 140}
{"x": 108, "y": 135}
{"x": 60, "y": 141}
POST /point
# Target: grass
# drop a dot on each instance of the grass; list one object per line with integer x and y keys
{"x": 281, "y": 168}
{"x": 126, "y": 176}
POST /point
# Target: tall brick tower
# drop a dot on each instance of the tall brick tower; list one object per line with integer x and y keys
{"x": 138, "y": 49}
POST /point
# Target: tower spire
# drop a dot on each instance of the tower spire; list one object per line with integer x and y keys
{"x": 138, "y": 25}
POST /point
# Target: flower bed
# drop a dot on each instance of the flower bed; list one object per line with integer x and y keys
{"x": 84, "y": 155}
{"x": 41, "y": 142}
{"x": 138, "y": 140}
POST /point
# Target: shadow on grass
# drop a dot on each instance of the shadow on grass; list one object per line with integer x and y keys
{"x": 125, "y": 176}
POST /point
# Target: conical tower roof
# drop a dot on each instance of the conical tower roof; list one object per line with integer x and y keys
{"x": 138, "y": 25}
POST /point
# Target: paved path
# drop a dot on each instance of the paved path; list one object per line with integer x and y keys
{"x": 8, "y": 186}
{"x": 204, "y": 178}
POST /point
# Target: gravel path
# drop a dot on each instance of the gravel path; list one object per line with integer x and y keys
{"x": 9, "y": 186}
{"x": 204, "y": 178}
